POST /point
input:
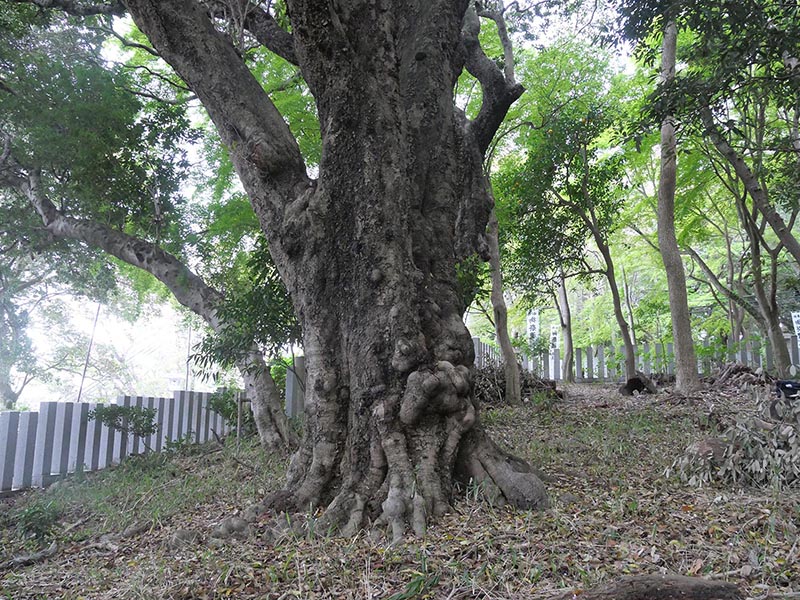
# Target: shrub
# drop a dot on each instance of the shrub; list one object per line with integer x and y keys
{"x": 223, "y": 402}
{"x": 137, "y": 420}
{"x": 38, "y": 519}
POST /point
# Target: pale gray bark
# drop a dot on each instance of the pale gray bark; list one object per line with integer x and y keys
{"x": 624, "y": 329}
{"x": 766, "y": 291}
{"x": 274, "y": 430}
{"x": 565, "y": 317}
{"x": 686, "y": 377}
{"x": 500, "y": 311}
{"x": 499, "y": 308}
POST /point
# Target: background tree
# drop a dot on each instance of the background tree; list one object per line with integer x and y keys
{"x": 686, "y": 377}
{"x": 574, "y": 185}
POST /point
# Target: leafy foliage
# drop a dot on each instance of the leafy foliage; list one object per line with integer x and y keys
{"x": 37, "y": 519}
{"x": 138, "y": 420}
{"x": 223, "y": 402}
{"x": 256, "y": 309}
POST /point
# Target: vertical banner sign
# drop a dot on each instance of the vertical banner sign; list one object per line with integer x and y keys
{"x": 796, "y": 321}
{"x": 532, "y": 322}
{"x": 554, "y": 332}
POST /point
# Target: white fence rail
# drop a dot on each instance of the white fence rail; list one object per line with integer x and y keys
{"x": 603, "y": 363}
{"x": 37, "y": 448}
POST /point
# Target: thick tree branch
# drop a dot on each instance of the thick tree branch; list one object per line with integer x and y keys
{"x": 186, "y": 286}
{"x": 188, "y": 289}
{"x": 502, "y": 32}
{"x": 263, "y": 149}
{"x": 270, "y": 35}
{"x": 499, "y": 93}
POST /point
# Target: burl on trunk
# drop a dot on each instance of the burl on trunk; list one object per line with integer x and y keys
{"x": 369, "y": 249}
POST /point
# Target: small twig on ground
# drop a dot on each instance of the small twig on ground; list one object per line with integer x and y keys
{"x": 76, "y": 524}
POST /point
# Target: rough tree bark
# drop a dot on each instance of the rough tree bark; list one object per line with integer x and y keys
{"x": 510, "y": 366}
{"x": 686, "y": 377}
{"x": 368, "y": 250}
{"x": 274, "y": 431}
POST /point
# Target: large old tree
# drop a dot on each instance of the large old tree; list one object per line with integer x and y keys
{"x": 368, "y": 248}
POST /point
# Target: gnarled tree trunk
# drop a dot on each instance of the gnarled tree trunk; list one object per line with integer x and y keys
{"x": 368, "y": 250}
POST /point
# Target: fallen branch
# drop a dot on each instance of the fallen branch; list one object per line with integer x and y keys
{"x": 30, "y": 559}
{"x": 659, "y": 587}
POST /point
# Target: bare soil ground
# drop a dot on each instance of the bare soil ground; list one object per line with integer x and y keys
{"x": 112, "y": 534}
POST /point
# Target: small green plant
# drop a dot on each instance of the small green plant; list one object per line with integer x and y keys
{"x": 182, "y": 445}
{"x": 224, "y": 403}
{"x": 38, "y": 519}
{"x": 138, "y": 420}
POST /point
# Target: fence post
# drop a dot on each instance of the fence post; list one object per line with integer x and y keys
{"x": 557, "y": 364}
{"x": 43, "y": 451}
{"x": 76, "y": 447}
{"x": 670, "y": 359}
{"x": 26, "y": 447}
{"x": 197, "y": 400}
{"x": 9, "y": 428}
{"x": 161, "y": 423}
{"x": 92, "y": 440}
{"x": 601, "y": 363}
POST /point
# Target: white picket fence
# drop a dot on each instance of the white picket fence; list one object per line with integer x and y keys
{"x": 37, "y": 448}
{"x": 603, "y": 363}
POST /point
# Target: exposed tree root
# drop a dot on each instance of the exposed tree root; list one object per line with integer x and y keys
{"x": 503, "y": 478}
{"x": 660, "y": 587}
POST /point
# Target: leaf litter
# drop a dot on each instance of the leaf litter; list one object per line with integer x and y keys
{"x": 614, "y": 513}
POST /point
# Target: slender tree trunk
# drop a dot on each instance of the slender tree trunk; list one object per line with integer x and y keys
{"x": 624, "y": 329}
{"x": 626, "y": 288}
{"x": 565, "y": 317}
{"x": 768, "y": 306}
{"x": 686, "y": 376}
{"x": 274, "y": 430}
{"x": 512, "y": 371}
